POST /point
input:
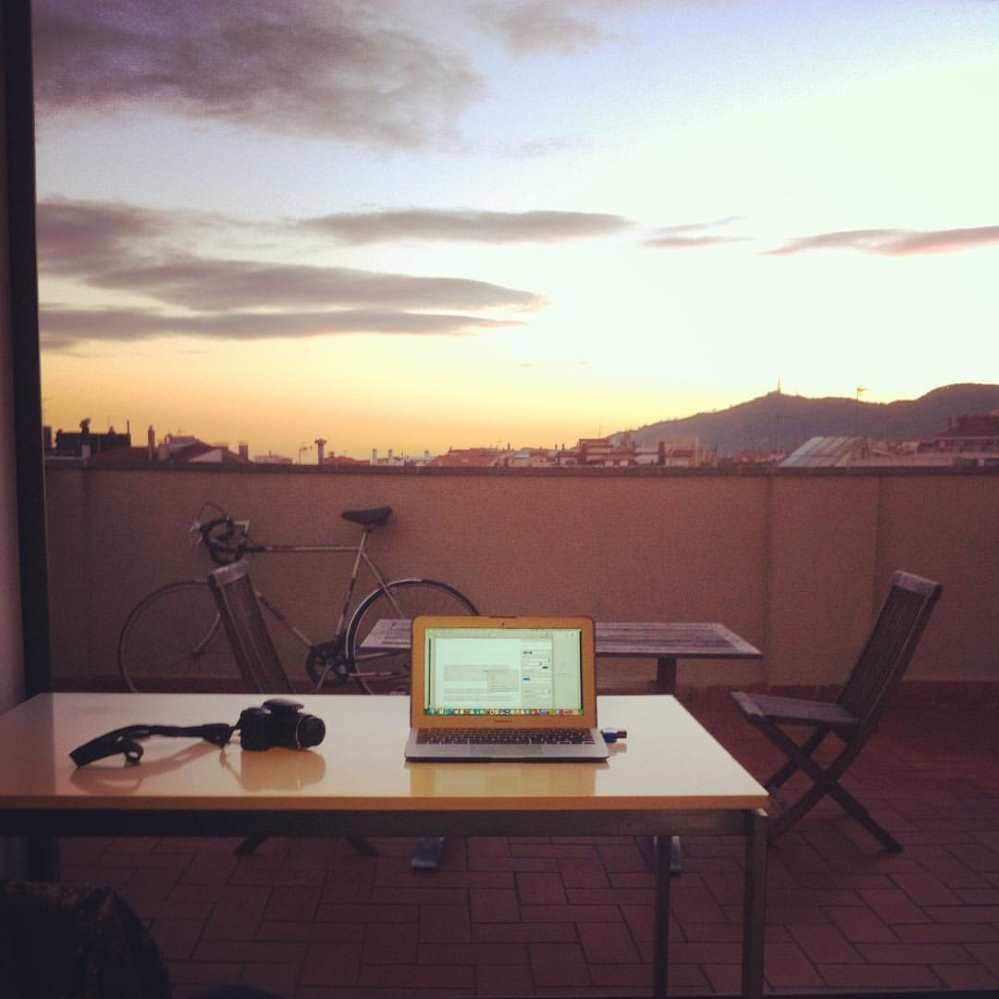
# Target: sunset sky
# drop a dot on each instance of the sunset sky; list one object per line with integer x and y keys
{"x": 416, "y": 225}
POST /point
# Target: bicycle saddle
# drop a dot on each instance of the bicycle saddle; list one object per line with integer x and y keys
{"x": 374, "y": 517}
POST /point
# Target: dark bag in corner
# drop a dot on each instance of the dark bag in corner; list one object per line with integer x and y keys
{"x": 75, "y": 942}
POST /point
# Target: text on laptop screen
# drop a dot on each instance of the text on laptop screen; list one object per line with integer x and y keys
{"x": 503, "y": 671}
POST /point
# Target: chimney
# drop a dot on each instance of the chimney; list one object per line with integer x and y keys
{"x": 151, "y": 442}
{"x": 374, "y": 456}
{"x": 244, "y": 450}
{"x": 320, "y": 443}
{"x": 85, "y": 447}
{"x": 661, "y": 453}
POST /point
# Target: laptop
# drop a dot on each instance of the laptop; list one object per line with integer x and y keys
{"x": 511, "y": 688}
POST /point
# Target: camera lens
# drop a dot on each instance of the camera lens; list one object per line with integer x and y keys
{"x": 311, "y": 731}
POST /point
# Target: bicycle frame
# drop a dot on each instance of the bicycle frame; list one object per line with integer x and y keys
{"x": 360, "y": 556}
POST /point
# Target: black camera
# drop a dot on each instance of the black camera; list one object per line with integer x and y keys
{"x": 279, "y": 722}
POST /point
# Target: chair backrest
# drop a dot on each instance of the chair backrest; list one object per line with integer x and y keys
{"x": 890, "y": 647}
{"x": 244, "y": 623}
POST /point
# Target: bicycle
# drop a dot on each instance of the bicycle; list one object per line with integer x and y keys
{"x": 176, "y": 630}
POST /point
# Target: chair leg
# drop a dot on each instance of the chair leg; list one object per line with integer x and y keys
{"x": 856, "y": 811}
{"x": 249, "y": 845}
{"x": 789, "y": 769}
{"x": 361, "y": 844}
{"x": 797, "y": 810}
{"x": 803, "y": 805}
{"x": 826, "y": 781}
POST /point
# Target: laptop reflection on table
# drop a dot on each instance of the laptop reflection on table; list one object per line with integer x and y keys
{"x": 504, "y": 689}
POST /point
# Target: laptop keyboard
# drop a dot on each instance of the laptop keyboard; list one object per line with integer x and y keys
{"x": 506, "y": 737}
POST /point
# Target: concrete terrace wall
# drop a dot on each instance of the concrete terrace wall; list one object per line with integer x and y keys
{"x": 797, "y": 563}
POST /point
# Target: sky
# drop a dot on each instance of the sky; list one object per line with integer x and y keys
{"x": 423, "y": 224}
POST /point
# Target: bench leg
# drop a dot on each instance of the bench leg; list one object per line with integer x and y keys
{"x": 427, "y": 853}
{"x": 666, "y": 675}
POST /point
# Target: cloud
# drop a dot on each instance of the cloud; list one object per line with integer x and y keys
{"x": 75, "y": 234}
{"x": 535, "y": 27}
{"x": 62, "y": 329}
{"x": 692, "y": 235}
{"x": 325, "y": 70}
{"x": 210, "y": 285}
{"x": 894, "y": 242}
{"x": 133, "y": 250}
{"x": 469, "y": 226}
{"x": 688, "y": 242}
{"x": 127, "y": 248}
{"x": 528, "y": 28}
{"x": 532, "y": 148}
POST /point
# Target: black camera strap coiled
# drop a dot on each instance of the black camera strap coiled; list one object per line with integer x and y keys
{"x": 124, "y": 740}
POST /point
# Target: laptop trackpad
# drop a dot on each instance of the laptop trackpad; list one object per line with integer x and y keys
{"x": 520, "y": 752}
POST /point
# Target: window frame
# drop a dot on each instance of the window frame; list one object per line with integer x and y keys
{"x": 21, "y": 277}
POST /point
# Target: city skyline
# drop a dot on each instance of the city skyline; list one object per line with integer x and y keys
{"x": 420, "y": 226}
{"x": 757, "y": 431}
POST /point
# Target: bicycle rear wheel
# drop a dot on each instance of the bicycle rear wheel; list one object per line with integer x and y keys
{"x": 388, "y": 672}
{"x": 174, "y": 640}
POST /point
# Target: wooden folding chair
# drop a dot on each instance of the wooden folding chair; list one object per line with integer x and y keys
{"x": 244, "y": 624}
{"x": 853, "y": 716}
{"x": 255, "y": 654}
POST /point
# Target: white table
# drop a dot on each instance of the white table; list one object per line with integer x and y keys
{"x": 669, "y": 777}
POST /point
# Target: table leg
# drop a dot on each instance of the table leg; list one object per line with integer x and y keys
{"x": 666, "y": 675}
{"x": 666, "y": 684}
{"x": 675, "y": 856}
{"x": 662, "y": 848}
{"x": 755, "y": 904}
{"x": 647, "y": 850}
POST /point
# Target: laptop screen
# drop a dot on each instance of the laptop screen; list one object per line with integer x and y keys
{"x": 503, "y": 671}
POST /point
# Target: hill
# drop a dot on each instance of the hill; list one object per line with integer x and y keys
{"x": 783, "y": 422}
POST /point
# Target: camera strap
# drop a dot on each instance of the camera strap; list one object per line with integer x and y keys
{"x": 124, "y": 740}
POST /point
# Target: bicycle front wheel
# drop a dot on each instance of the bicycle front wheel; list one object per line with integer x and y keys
{"x": 174, "y": 640}
{"x": 388, "y": 672}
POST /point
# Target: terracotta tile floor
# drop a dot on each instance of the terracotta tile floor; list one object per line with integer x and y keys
{"x": 310, "y": 919}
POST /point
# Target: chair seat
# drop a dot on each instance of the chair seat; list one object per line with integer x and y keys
{"x": 794, "y": 710}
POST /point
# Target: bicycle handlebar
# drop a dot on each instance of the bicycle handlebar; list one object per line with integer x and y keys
{"x": 225, "y": 538}
{"x": 218, "y": 535}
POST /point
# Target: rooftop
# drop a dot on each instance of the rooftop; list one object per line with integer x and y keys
{"x": 310, "y": 918}
{"x": 795, "y": 562}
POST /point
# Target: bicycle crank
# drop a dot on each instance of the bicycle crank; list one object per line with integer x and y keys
{"x": 327, "y": 662}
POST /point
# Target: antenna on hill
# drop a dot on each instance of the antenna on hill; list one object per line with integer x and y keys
{"x": 861, "y": 389}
